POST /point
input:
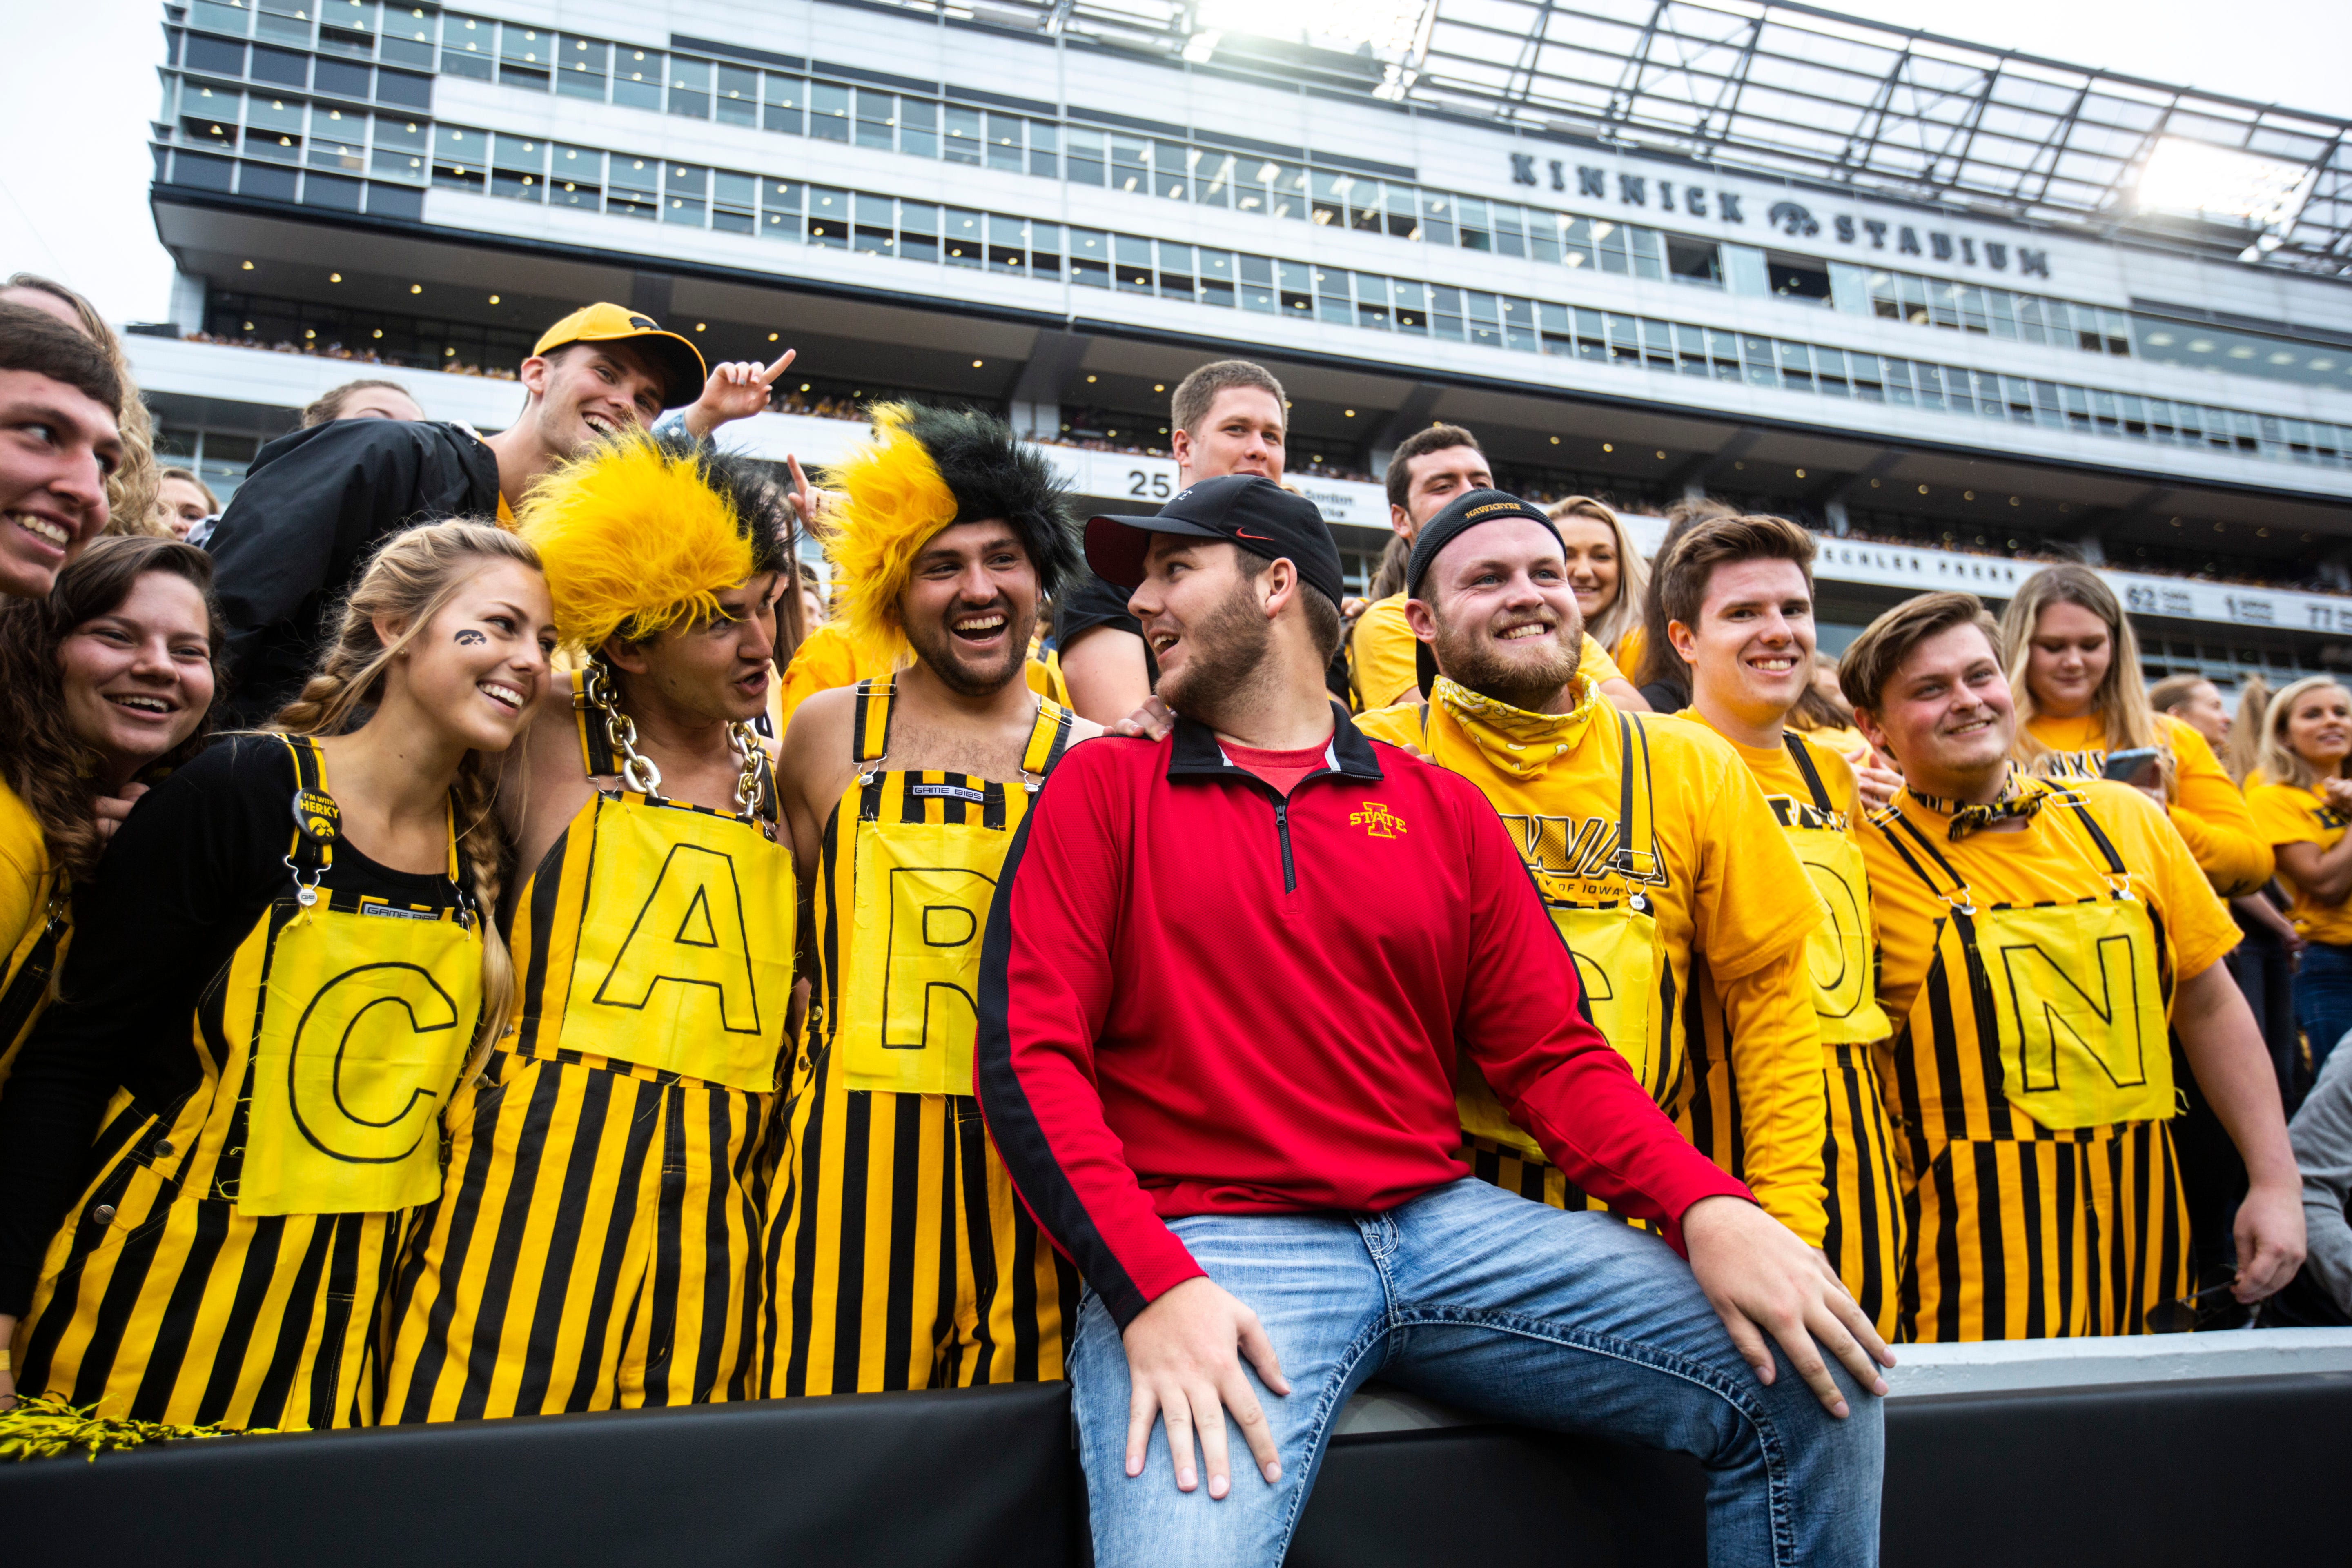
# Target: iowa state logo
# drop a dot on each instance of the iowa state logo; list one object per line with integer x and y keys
{"x": 1377, "y": 820}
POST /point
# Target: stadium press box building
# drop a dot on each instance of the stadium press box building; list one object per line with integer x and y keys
{"x": 1957, "y": 309}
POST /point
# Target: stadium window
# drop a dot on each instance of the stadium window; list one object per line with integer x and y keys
{"x": 1046, "y": 252}
{"x": 2078, "y": 407}
{"x": 1258, "y": 285}
{"x": 783, "y": 101}
{"x": 918, "y": 126}
{"x": 1296, "y": 289}
{"x": 1482, "y": 317}
{"x": 1332, "y": 296}
{"x": 1090, "y": 258}
{"x": 1609, "y": 243}
{"x": 1364, "y": 203}
{"x": 1372, "y": 301}
{"x": 1402, "y": 203}
{"x": 1410, "y": 302}
{"x": 407, "y": 36}
{"x": 1757, "y": 354}
{"x": 577, "y": 178}
{"x": 636, "y": 77}
{"x": 582, "y": 67}
{"x": 828, "y": 119}
{"x": 1690, "y": 349}
{"x": 1798, "y": 276}
{"x": 2133, "y": 412}
{"x": 347, "y": 27}
{"x": 1722, "y": 347}
{"x": 517, "y": 167}
{"x": 828, "y": 217}
{"x": 1510, "y": 230}
{"x": 1217, "y": 278}
{"x": 1175, "y": 270}
{"x": 1172, "y": 168}
{"x": 337, "y": 141}
{"x": 1330, "y": 197}
{"x": 1869, "y": 378}
{"x": 1543, "y": 236}
{"x": 1445, "y": 312}
{"x": 1934, "y": 396}
{"x": 459, "y": 158}
{"x": 1519, "y": 325}
{"x": 918, "y": 232}
{"x": 876, "y": 231}
{"x": 273, "y": 129}
{"x": 1008, "y": 245}
{"x": 737, "y": 97}
{"x": 2161, "y": 428}
{"x": 964, "y": 140}
{"x": 1944, "y": 304}
{"x": 1290, "y": 189}
{"x": 400, "y": 149}
{"x": 1557, "y": 323}
{"x": 2047, "y": 411}
{"x": 779, "y": 210}
{"x": 1471, "y": 224}
{"x": 1212, "y": 179}
{"x": 1045, "y": 149}
{"x": 1694, "y": 261}
{"x": 209, "y": 115}
{"x": 1913, "y": 292}
{"x": 961, "y": 237}
{"x": 1005, "y": 143}
{"x": 2030, "y": 322}
{"x": 1132, "y": 263}
{"x": 1658, "y": 344}
{"x": 1829, "y": 371}
{"x": 732, "y": 199}
{"x": 631, "y": 187}
{"x": 1649, "y": 254}
{"x": 1083, "y": 161}
{"x": 1576, "y": 242}
{"x": 525, "y": 56}
{"x": 877, "y": 119}
{"x": 2117, "y": 327}
{"x": 287, "y": 21}
{"x": 469, "y": 45}
{"x": 686, "y": 194}
{"x": 1130, "y": 167}
{"x": 2000, "y": 307}
{"x": 1972, "y": 310}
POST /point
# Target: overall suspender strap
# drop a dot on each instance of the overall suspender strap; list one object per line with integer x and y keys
{"x": 1802, "y": 756}
{"x": 1049, "y": 737}
{"x": 310, "y": 854}
{"x": 1633, "y": 819}
{"x": 869, "y": 724}
{"x": 2099, "y": 838}
{"x": 1889, "y": 823}
{"x": 32, "y": 976}
{"x": 595, "y": 746}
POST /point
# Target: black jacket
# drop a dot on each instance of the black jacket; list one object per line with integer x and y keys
{"x": 312, "y": 510}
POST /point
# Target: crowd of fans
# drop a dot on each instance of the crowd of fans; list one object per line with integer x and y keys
{"x": 385, "y": 598}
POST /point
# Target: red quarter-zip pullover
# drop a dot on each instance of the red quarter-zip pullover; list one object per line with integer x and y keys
{"x": 1199, "y": 997}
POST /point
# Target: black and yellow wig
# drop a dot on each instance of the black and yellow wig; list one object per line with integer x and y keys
{"x": 640, "y": 535}
{"x": 925, "y": 469}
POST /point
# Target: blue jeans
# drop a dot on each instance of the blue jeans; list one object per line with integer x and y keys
{"x": 1505, "y": 1308}
{"x": 2323, "y": 998}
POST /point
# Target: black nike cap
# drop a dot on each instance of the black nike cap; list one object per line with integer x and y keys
{"x": 1463, "y": 513}
{"x": 1247, "y": 510}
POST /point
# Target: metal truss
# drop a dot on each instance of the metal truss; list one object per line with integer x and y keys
{"x": 1787, "y": 90}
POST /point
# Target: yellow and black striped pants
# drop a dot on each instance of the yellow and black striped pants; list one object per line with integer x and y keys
{"x": 594, "y": 1246}
{"x": 2057, "y": 1235}
{"x": 896, "y": 1255}
{"x": 1861, "y": 1186}
{"x": 157, "y": 1305}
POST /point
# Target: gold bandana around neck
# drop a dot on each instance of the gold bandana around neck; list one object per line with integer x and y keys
{"x": 2021, "y": 797}
{"x": 1520, "y": 743}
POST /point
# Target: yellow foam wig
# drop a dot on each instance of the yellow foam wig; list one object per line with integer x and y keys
{"x": 895, "y": 500}
{"x": 636, "y": 539}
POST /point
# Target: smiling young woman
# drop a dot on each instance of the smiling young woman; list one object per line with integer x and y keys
{"x": 2074, "y": 671}
{"x": 2303, "y": 807}
{"x": 203, "y": 1175}
{"x": 106, "y": 685}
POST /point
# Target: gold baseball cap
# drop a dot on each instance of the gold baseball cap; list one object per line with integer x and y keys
{"x": 680, "y": 362}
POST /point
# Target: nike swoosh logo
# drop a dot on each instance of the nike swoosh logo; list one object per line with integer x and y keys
{"x": 1245, "y": 533}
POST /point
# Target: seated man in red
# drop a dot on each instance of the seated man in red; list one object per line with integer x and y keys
{"x": 1225, "y": 979}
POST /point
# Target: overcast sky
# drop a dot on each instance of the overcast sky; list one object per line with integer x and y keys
{"x": 73, "y": 185}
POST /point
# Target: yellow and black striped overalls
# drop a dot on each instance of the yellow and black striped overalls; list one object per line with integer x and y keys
{"x": 596, "y": 1246}
{"x": 897, "y": 1252}
{"x": 2034, "y": 1076}
{"x": 1639, "y": 999}
{"x": 229, "y": 1258}
{"x": 1862, "y": 1190}
{"x": 26, "y": 994}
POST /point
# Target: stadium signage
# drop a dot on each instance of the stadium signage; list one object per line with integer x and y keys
{"x": 1792, "y": 218}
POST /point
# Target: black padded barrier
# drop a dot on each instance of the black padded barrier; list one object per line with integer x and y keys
{"x": 2207, "y": 1472}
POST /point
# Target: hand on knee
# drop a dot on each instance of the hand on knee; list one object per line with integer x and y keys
{"x": 1769, "y": 1288}
{"x": 1183, "y": 1361}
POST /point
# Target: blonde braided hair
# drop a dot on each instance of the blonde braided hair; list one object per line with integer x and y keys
{"x": 408, "y": 582}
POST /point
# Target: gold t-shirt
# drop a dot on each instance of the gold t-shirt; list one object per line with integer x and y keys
{"x": 2207, "y": 806}
{"x": 2286, "y": 813}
